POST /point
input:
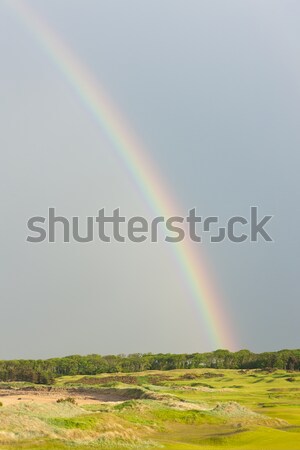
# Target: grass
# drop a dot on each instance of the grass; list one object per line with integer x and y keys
{"x": 176, "y": 412}
{"x": 82, "y": 422}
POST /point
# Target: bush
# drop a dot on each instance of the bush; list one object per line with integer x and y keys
{"x": 291, "y": 379}
{"x": 67, "y": 400}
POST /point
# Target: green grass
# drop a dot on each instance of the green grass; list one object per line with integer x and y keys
{"x": 171, "y": 418}
{"x": 82, "y": 422}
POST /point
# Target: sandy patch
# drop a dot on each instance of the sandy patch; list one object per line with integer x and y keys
{"x": 11, "y": 397}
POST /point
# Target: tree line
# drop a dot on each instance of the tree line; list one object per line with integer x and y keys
{"x": 45, "y": 371}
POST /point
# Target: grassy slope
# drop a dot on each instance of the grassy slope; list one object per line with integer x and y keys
{"x": 139, "y": 423}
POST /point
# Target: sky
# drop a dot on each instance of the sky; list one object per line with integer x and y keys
{"x": 211, "y": 89}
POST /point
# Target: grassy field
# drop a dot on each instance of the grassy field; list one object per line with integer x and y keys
{"x": 176, "y": 410}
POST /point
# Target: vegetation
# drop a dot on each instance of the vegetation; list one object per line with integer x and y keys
{"x": 182, "y": 409}
{"x": 45, "y": 371}
{"x": 66, "y": 400}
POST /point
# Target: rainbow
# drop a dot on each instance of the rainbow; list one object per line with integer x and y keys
{"x": 139, "y": 165}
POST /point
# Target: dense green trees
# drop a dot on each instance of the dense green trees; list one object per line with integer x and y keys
{"x": 44, "y": 371}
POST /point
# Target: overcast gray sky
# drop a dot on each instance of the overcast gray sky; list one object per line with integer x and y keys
{"x": 212, "y": 90}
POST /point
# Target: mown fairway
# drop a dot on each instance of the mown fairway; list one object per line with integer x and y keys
{"x": 179, "y": 410}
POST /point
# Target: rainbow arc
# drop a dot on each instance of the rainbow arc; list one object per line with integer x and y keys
{"x": 138, "y": 163}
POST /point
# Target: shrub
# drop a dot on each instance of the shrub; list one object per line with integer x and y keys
{"x": 291, "y": 379}
{"x": 66, "y": 400}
